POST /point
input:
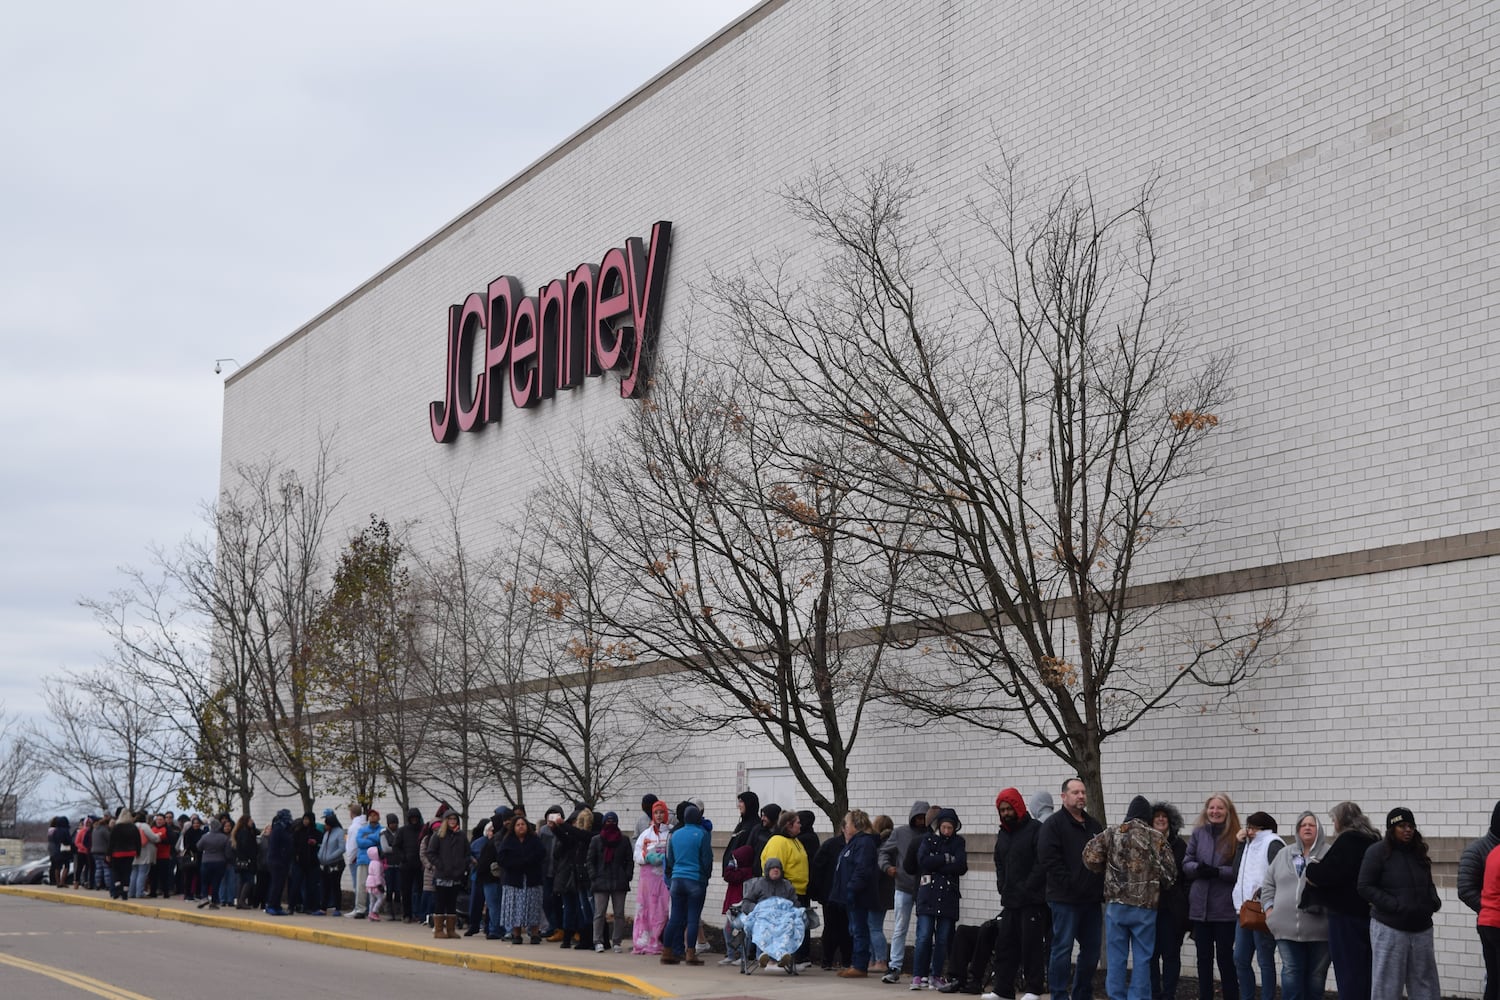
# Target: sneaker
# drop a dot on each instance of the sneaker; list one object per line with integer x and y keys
{"x": 893, "y": 976}
{"x": 917, "y": 983}
{"x": 1024, "y": 996}
{"x": 726, "y": 960}
{"x": 952, "y": 986}
{"x": 334, "y": 913}
{"x": 991, "y": 995}
{"x": 599, "y": 948}
{"x": 803, "y": 966}
{"x": 937, "y": 983}
{"x": 618, "y": 950}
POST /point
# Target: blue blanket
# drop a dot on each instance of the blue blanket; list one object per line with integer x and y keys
{"x": 776, "y": 926}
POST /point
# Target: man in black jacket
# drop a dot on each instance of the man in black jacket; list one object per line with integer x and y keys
{"x": 1021, "y": 934}
{"x": 1075, "y": 894}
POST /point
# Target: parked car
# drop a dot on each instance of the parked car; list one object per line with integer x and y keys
{"x": 31, "y": 873}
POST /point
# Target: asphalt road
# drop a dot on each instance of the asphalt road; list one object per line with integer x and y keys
{"x": 51, "y": 952}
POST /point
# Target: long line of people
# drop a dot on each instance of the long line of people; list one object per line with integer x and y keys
{"x": 1068, "y": 888}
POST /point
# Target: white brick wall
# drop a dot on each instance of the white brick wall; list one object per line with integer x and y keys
{"x": 1328, "y": 203}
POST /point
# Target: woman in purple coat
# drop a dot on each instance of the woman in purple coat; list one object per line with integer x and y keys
{"x": 1209, "y": 866}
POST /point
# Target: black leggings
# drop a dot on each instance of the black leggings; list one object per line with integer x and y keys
{"x": 445, "y": 900}
{"x": 1215, "y": 940}
{"x": 120, "y": 869}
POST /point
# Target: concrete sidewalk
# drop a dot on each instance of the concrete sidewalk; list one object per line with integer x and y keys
{"x": 637, "y": 975}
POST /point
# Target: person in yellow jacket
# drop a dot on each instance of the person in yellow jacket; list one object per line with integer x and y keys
{"x": 786, "y": 846}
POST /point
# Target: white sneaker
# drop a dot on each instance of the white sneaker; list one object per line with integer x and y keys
{"x": 726, "y": 960}
{"x": 1025, "y": 996}
{"x": 599, "y": 948}
{"x": 617, "y": 949}
{"x": 989, "y": 996}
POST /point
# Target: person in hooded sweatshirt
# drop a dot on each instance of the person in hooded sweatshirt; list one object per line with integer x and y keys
{"x": 891, "y": 856}
{"x": 760, "y": 836}
{"x": 1479, "y": 889}
{"x": 1021, "y": 930}
{"x": 689, "y": 865}
{"x": 1259, "y": 845}
{"x": 942, "y": 859}
{"x": 1295, "y": 918}
{"x": 1171, "y": 909}
{"x": 279, "y": 859}
{"x": 1135, "y": 859}
{"x": 1396, "y": 878}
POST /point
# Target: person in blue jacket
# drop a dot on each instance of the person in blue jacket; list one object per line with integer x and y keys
{"x": 856, "y": 884}
{"x": 689, "y": 865}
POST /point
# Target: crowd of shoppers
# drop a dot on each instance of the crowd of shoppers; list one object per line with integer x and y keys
{"x": 1361, "y": 899}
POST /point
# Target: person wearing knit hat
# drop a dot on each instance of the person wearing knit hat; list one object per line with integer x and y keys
{"x": 653, "y": 900}
{"x": 1259, "y": 846}
{"x": 1396, "y": 879}
{"x": 1135, "y": 861}
{"x": 610, "y": 868}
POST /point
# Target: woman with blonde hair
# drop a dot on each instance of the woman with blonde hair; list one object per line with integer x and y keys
{"x": 1209, "y": 865}
{"x": 856, "y": 884}
{"x": 448, "y": 851}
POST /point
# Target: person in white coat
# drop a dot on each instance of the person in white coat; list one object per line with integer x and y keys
{"x": 1259, "y": 847}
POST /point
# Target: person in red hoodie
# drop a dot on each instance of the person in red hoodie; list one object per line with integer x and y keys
{"x": 1479, "y": 889}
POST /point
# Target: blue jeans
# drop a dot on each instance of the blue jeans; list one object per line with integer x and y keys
{"x": 212, "y": 872}
{"x": 932, "y": 945}
{"x": 229, "y": 886}
{"x": 1251, "y": 948}
{"x": 1131, "y": 937}
{"x": 138, "y": 880}
{"x": 876, "y": 924}
{"x": 492, "y": 892}
{"x": 904, "y": 903}
{"x": 859, "y": 931}
{"x": 687, "y": 908}
{"x": 1074, "y": 922}
{"x": 1304, "y": 969}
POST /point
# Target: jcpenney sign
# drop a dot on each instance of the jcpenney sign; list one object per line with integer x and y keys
{"x": 595, "y": 319}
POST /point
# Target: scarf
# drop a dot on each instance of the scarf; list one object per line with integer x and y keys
{"x": 611, "y": 837}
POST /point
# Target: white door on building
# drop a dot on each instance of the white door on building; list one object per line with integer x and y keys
{"x": 775, "y": 784}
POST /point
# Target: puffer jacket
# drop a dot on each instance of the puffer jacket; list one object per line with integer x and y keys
{"x": 1291, "y": 914}
{"x": 448, "y": 855}
{"x": 1471, "y": 866}
{"x": 1211, "y": 871}
{"x": 942, "y": 861}
{"x": 1398, "y": 886}
{"x": 611, "y": 875}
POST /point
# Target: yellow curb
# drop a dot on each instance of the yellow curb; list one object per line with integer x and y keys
{"x": 546, "y": 972}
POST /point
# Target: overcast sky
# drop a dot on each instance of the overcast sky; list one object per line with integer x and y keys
{"x": 192, "y": 181}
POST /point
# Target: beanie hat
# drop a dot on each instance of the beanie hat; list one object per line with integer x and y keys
{"x": 553, "y": 811}
{"x": 1261, "y": 821}
{"x": 1140, "y": 808}
{"x": 1400, "y": 814}
{"x": 611, "y": 817}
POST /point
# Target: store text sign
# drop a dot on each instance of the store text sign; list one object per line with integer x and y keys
{"x": 597, "y": 318}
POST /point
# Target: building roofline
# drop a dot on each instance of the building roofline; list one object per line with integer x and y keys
{"x": 713, "y": 44}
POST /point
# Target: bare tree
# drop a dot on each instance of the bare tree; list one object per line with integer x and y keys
{"x": 101, "y": 743}
{"x": 595, "y": 740}
{"x": 731, "y": 554}
{"x": 20, "y": 769}
{"x": 1044, "y": 416}
{"x": 258, "y": 584}
{"x": 160, "y": 633}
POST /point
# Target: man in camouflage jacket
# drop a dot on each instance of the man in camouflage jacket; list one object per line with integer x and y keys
{"x": 1137, "y": 862}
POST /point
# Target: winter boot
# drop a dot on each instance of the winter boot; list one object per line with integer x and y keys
{"x": 691, "y": 957}
{"x": 438, "y": 923}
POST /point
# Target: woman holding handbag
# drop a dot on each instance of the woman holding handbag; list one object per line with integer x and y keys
{"x": 1253, "y": 944}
